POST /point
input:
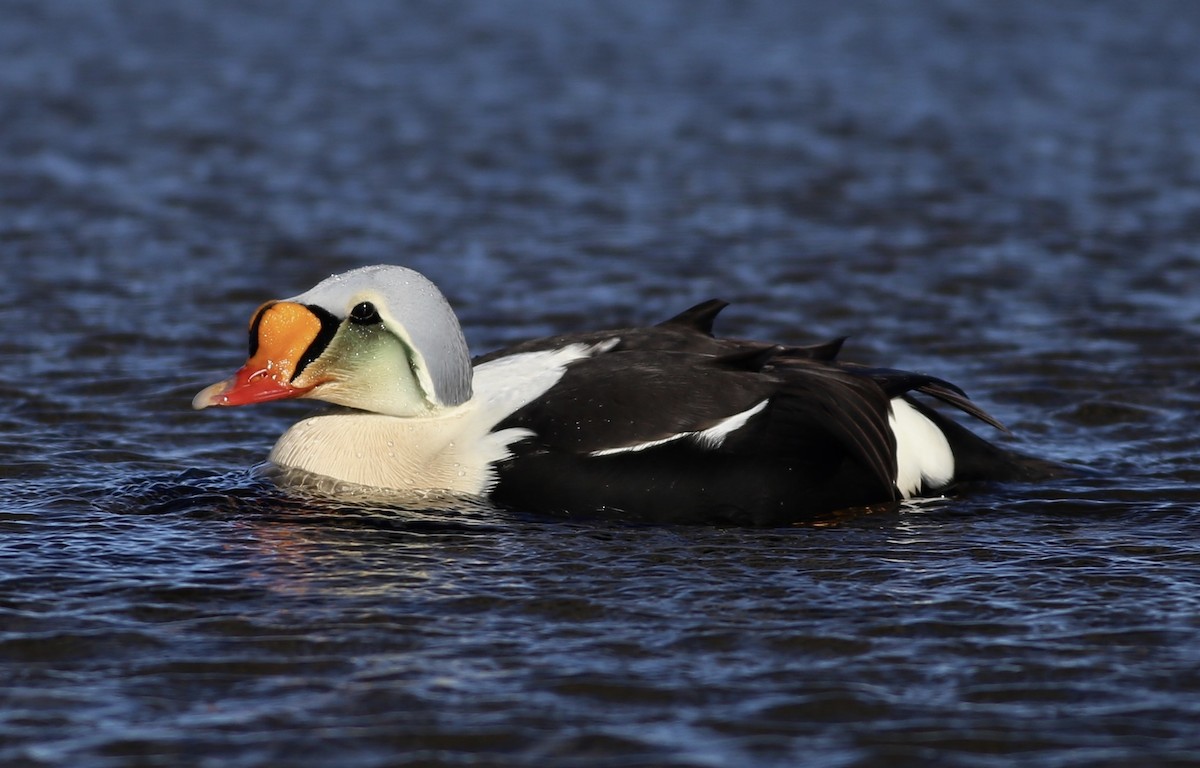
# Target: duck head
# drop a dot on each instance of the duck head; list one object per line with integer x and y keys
{"x": 380, "y": 339}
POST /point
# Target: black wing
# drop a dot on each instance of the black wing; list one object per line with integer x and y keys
{"x": 672, "y": 424}
{"x": 641, "y": 401}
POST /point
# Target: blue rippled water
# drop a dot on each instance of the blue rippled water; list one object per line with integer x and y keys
{"x": 1007, "y": 196}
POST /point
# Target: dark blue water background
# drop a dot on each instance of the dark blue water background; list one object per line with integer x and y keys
{"x": 1006, "y": 195}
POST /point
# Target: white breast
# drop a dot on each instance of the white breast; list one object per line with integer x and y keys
{"x": 446, "y": 452}
{"x": 453, "y": 450}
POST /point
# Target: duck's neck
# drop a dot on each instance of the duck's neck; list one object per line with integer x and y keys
{"x": 451, "y": 450}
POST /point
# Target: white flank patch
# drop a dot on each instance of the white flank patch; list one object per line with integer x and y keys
{"x": 710, "y": 438}
{"x": 923, "y": 455}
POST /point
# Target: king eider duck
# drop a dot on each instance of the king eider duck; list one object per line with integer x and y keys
{"x": 662, "y": 423}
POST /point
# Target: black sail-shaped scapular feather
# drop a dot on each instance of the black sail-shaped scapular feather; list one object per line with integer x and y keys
{"x": 700, "y": 317}
{"x": 825, "y": 351}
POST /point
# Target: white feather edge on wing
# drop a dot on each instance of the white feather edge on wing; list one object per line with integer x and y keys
{"x": 711, "y": 438}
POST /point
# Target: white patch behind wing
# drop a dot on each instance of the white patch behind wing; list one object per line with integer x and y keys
{"x": 711, "y": 438}
{"x": 923, "y": 456}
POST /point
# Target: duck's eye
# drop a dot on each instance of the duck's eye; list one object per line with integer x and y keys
{"x": 364, "y": 313}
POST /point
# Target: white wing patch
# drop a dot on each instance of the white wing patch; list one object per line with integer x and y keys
{"x": 711, "y": 438}
{"x": 508, "y": 384}
{"x": 923, "y": 455}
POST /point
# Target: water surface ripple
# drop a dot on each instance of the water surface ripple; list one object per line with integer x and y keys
{"x": 1007, "y": 196}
